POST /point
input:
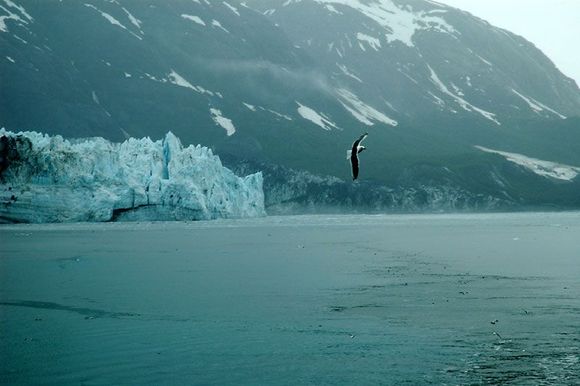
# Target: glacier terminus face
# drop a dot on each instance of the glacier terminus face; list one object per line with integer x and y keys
{"x": 51, "y": 179}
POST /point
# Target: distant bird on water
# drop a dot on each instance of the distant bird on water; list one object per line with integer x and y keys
{"x": 352, "y": 155}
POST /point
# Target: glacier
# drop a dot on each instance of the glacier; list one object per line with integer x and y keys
{"x": 46, "y": 179}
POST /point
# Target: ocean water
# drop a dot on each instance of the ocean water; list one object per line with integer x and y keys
{"x": 480, "y": 299}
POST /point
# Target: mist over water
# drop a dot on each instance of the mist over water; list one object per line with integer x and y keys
{"x": 418, "y": 299}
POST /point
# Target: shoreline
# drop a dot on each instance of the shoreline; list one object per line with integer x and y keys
{"x": 291, "y": 218}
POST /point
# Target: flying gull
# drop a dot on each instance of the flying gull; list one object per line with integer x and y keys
{"x": 352, "y": 155}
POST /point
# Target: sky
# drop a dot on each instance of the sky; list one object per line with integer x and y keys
{"x": 552, "y": 25}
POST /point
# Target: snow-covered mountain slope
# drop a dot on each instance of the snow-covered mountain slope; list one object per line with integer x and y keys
{"x": 540, "y": 167}
{"x": 351, "y": 63}
{"x": 50, "y": 179}
{"x": 410, "y": 58}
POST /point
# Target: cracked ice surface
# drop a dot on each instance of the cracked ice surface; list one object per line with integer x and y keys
{"x": 51, "y": 179}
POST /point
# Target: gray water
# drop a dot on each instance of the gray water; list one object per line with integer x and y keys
{"x": 320, "y": 300}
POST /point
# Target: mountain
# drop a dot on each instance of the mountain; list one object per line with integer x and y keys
{"x": 422, "y": 59}
{"x": 286, "y": 86}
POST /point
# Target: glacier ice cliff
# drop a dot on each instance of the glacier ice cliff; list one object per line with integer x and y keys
{"x": 51, "y": 179}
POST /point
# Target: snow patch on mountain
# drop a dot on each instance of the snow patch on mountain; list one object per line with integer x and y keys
{"x": 348, "y": 73}
{"x": 371, "y": 41}
{"x": 217, "y": 24}
{"x": 136, "y": 22}
{"x": 314, "y": 117}
{"x": 485, "y": 61}
{"x": 540, "y": 167}
{"x": 222, "y": 121}
{"x": 361, "y": 111}
{"x": 289, "y": 2}
{"x": 20, "y": 9}
{"x": 536, "y": 106}
{"x": 112, "y": 20}
{"x": 95, "y": 97}
{"x": 249, "y": 106}
{"x": 193, "y": 18}
{"x": 50, "y": 179}
{"x": 457, "y": 89}
{"x": 408, "y": 76}
{"x": 232, "y": 8}
{"x": 14, "y": 12}
{"x": 460, "y": 101}
{"x": 332, "y": 9}
{"x": 178, "y": 80}
{"x": 277, "y": 114}
{"x": 400, "y": 24}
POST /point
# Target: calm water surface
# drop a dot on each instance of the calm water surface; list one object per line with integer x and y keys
{"x": 341, "y": 300}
